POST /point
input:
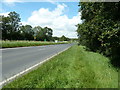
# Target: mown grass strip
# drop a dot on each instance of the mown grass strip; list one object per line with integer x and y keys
{"x": 10, "y": 44}
{"x": 74, "y": 68}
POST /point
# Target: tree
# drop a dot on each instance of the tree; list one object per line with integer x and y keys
{"x": 39, "y": 33}
{"x": 14, "y": 19}
{"x": 56, "y": 38}
{"x": 48, "y": 33}
{"x": 10, "y": 26}
{"x": 27, "y": 32}
{"x": 100, "y": 30}
{"x": 63, "y": 38}
{"x": 0, "y": 27}
{"x": 43, "y": 33}
{"x": 4, "y": 27}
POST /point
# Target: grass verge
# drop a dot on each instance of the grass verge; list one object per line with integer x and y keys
{"x": 74, "y": 68}
{"x": 10, "y": 44}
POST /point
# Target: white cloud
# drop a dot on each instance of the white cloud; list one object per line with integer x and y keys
{"x": 55, "y": 19}
{"x": 11, "y": 2}
{"x": 5, "y": 14}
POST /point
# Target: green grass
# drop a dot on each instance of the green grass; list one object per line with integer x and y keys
{"x": 74, "y": 68}
{"x": 10, "y": 44}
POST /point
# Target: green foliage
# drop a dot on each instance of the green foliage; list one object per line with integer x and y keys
{"x": 100, "y": 30}
{"x": 14, "y": 20}
{"x": 12, "y": 30}
{"x": 43, "y": 33}
{"x": 56, "y": 38}
{"x": 27, "y": 32}
{"x": 63, "y": 38}
{"x": 10, "y": 26}
{"x": 74, "y": 68}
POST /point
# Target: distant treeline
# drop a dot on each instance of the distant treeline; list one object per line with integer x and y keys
{"x": 12, "y": 29}
{"x": 100, "y": 30}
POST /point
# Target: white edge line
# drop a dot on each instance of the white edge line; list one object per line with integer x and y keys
{"x": 30, "y": 68}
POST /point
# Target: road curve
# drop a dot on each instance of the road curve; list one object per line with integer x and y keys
{"x": 15, "y": 60}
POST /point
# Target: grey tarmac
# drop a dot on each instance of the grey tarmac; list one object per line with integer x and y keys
{"x": 15, "y": 60}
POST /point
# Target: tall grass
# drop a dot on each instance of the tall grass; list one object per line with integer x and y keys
{"x": 74, "y": 68}
{"x": 10, "y": 44}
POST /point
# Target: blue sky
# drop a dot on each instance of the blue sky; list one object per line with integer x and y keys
{"x": 68, "y": 11}
{"x": 25, "y": 9}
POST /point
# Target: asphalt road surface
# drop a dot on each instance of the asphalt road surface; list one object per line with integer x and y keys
{"x": 15, "y": 60}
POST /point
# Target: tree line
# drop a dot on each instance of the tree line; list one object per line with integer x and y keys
{"x": 100, "y": 30}
{"x": 12, "y": 29}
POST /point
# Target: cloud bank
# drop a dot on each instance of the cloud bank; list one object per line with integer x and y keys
{"x": 5, "y": 14}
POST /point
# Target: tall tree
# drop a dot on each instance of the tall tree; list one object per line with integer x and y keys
{"x": 14, "y": 19}
{"x": 10, "y": 26}
{"x": 27, "y": 32}
{"x": 48, "y": 33}
{"x": 63, "y": 38}
{"x": 100, "y": 30}
{"x": 5, "y": 27}
{"x": 43, "y": 33}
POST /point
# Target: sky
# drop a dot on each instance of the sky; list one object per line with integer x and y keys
{"x": 60, "y": 16}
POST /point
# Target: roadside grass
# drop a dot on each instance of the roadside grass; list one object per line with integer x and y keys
{"x": 74, "y": 68}
{"x": 10, "y": 44}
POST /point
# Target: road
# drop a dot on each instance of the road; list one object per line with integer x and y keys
{"x": 15, "y": 60}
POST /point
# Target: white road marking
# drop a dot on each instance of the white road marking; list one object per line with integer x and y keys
{"x": 30, "y": 68}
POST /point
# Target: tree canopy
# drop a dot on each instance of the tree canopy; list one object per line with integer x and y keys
{"x": 100, "y": 30}
{"x": 13, "y": 30}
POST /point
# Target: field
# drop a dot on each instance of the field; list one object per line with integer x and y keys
{"x": 74, "y": 68}
{"x": 10, "y": 44}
